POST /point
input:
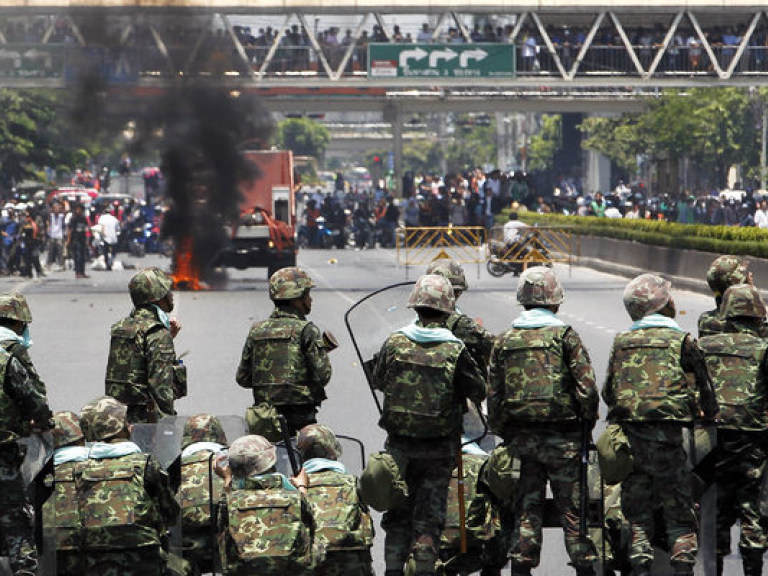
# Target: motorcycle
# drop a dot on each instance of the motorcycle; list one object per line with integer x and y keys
{"x": 139, "y": 238}
{"x": 498, "y": 266}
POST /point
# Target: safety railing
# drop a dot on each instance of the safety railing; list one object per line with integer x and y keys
{"x": 419, "y": 246}
{"x": 534, "y": 245}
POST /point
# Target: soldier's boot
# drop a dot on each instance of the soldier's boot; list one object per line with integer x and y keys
{"x": 585, "y": 571}
{"x": 720, "y": 565}
{"x": 752, "y": 562}
{"x": 520, "y": 571}
{"x": 490, "y": 572}
{"x": 394, "y": 573}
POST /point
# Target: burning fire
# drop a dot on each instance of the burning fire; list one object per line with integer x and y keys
{"x": 186, "y": 275}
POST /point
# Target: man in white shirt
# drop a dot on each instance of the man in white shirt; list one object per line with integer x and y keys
{"x": 56, "y": 236}
{"x": 513, "y": 228}
{"x": 761, "y": 215}
{"x": 110, "y": 228}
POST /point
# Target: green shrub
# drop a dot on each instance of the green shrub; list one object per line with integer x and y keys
{"x": 717, "y": 239}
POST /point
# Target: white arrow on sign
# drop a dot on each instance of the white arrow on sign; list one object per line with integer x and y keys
{"x": 417, "y": 54}
{"x": 477, "y": 55}
{"x": 446, "y": 55}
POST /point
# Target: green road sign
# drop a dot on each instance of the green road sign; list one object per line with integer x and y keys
{"x": 441, "y": 60}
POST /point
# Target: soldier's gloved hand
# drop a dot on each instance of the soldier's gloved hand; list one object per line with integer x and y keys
{"x": 175, "y": 326}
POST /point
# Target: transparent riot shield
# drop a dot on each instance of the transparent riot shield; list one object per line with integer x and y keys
{"x": 373, "y": 318}
{"x": 37, "y": 471}
{"x": 701, "y": 444}
{"x": 352, "y": 456}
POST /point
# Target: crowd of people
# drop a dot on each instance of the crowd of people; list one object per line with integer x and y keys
{"x": 114, "y": 504}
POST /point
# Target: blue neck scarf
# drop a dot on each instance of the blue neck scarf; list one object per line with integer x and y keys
{"x": 537, "y": 318}
{"x": 655, "y": 321}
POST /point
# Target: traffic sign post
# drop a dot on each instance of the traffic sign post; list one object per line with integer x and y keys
{"x": 441, "y": 60}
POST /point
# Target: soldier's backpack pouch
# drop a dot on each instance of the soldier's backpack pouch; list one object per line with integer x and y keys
{"x": 382, "y": 486}
{"x": 263, "y": 420}
{"x": 614, "y": 454}
{"x": 500, "y": 473}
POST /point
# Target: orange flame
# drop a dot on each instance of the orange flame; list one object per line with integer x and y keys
{"x": 186, "y": 275}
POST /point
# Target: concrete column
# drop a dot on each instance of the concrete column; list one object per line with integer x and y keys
{"x": 598, "y": 172}
{"x": 394, "y": 116}
{"x": 502, "y": 141}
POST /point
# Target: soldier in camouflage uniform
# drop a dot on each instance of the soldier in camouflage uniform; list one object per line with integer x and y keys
{"x": 69, "y": 451}
{"x": 203, "y": 441}
{"x": 738, "y": 363}
{"x": 725, "y": 271}
{"x": 476, "y": 338}
{"x": 15, "y": 318}
{"x": 23, "y": 408}
{"x": 265, "y": 523}
{"x": 124, "y": 498}
{"x": 142, "y": 370}
{"x": 426, "y": 375}
{"x": 542, "y": 390}
{"x": 285, "y": 358}
{"x": 648, "y": 392}
{"x": 342, "y": 520}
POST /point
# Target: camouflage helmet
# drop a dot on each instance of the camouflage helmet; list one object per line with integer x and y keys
{"x": 433, "y": 291}
{"x": 66, "y": 429}
{"x": 149, "y": 285}
{"x": 726, "y": 271}
{"x": 103, "y": 418}
{"x": 14, "y": 307}
{"x": 203, "y": 428}
{"x": 743, "y": 300}
{"x": 539, "y": 286}
{"x": 289, "y": 283}
{"x": 451, "y": 270}
{"x": 251, "y": 455}
{"x": 318, "y": 441}
{"x": 645, "y": 295}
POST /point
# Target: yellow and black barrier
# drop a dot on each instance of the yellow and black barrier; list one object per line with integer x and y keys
{"x": 419, "y": 246}
{"x": 539, "y": 245}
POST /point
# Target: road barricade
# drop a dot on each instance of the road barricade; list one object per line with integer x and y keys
{"x": 419, "y": 246}
{"x": 539, "y": 245}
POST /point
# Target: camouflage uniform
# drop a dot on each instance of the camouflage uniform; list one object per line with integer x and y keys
{"x": 425, "y": 385}
{"x": 738, "y": 364}
{"x": 195, "y": 497}
{"x": 285, "y": 360}
{"x": 647, "y": 390}
{"x": 477, "y": 339}
{"x": 265, "y": 525}
{"x": 542, "y": 387}
{"x": 142, "y": 370}
{"x": 22, "y": 399}
{"x": 125, "y": 502}
{"x": 725, "y": 271}
{"x": 68, "y": 441}
{"x": 342, "y": 520}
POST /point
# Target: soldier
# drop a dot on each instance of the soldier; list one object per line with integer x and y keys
{"x": 142, "y": 370}
{"x": 342, "y": 520}
{"x": 648, "y": 392}
{"x": 285, "y": 358}
{"x": 265, "y": 522}
{"x": 23, "y": 408}
{"x": 738, "y": 364}
{"x": 124, "y": 498}
{"x": 542, "y": 392}
{"x": 15, "y": 318}
{"x": 202, "y": 442}
{"x": 69, "y": 451}
{"x": 725, "y": 271}
{"x": 476, "y": 338}
{"x": 426, "y": 375}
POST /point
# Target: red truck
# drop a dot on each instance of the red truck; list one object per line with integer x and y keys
{"x": 265, "y": 233}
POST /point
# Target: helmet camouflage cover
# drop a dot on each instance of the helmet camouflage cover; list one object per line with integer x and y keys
{"x": 289, "y": 283}
{"x": 727, "y": 271}
{"x": 646, "y": 294}
{"x": 14, "y": 307}
{"x": 539, "y": 286}
{"x": 451, "y": 270}
{"x": 433, "y": 291}
{"x": 318, "y": 441}
{"x": 203, "y": 428}
{"x": 66, "y": 429}
{"x": 251, "y": 455}
{"x": 743, "y": 300}
{"x": 103, "y": 418}
{"x": 149, "y": 285}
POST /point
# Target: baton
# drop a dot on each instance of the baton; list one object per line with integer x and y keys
{"x": 288, "y": 447}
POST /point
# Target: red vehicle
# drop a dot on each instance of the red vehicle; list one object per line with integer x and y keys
{"x": 265, "y": 233}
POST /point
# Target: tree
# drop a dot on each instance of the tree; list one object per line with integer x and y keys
{"x": 543, "y": 146}
{"x": 305, "y": 137}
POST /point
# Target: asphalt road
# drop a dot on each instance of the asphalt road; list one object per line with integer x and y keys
{"x": 72, "y": 320}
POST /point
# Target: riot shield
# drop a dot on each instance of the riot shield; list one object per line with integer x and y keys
{"x": 37, "y": 471}
{"x": 373, "y": 318}
{"x": 352, "y": 455}
{"x": 701, "y": 446}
